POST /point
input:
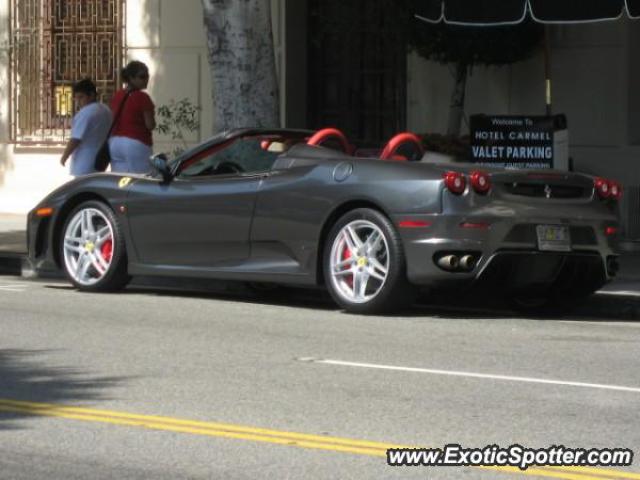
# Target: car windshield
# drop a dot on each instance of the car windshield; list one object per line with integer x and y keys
{"x": 242, "y": 155}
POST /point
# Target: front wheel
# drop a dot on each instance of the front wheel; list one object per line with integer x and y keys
{"x": 93, "y": 248}
{"x": 364, "y": 264}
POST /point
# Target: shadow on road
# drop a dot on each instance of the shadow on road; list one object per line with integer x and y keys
{"x": 24, "y": 378}
{"x": 452, "y": 305}
{"x": 285, "y": 297}
{"x": 598, "y": 307}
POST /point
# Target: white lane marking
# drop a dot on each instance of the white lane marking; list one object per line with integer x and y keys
{"x": 13, "y": 287}
{"x": 627, "y": 293}
{"x": 603, "y": 323}
{"x": 485, "y": 376}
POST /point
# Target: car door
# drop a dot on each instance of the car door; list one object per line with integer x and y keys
{"x": 202, "y": 218}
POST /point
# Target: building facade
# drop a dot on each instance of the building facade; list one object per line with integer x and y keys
{"x": 339, "y": 63}
{"x": 48, "y": 44}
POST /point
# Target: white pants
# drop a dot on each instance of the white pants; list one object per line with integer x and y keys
{"x": 129, "y": 155}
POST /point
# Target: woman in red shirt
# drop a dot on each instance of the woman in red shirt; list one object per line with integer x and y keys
{"x": 131, "y": 139}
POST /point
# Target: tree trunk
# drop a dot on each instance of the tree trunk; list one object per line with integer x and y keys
{"x": 456, "y": 108}
{"x": 242, "y": 61}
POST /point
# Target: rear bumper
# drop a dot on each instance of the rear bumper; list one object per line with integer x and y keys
{"x": 506, "y": 250}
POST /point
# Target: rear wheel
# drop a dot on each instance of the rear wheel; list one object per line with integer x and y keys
{"x": 93, "y": 249}
{"x": 364, "y": 264}
{"x": 544, "y": 304}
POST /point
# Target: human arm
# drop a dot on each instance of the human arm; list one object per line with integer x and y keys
{"x": 72, "y": 144}
{"x": 149, "y": 119}
{"x": 144, "y": 104}
{"x": 79, "y": 126}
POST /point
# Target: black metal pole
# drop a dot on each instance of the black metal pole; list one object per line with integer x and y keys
{"x": 547, "y": 71}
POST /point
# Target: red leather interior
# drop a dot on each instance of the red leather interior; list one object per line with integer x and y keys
{"x": 399, "y": 140}
{"x": 322, "y": 136}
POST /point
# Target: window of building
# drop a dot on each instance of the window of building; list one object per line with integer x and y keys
{"x": 54, "y": 44}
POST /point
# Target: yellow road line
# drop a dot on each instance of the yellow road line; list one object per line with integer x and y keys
{"x": 301, "y": 440}
{"x": 185, "y": 425}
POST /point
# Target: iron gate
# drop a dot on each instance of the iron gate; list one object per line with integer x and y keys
{"x": 54, "y": 44}
{"x": 357, "y": 69}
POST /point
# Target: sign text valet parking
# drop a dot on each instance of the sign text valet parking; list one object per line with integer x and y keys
{"x": 513, "y": 142}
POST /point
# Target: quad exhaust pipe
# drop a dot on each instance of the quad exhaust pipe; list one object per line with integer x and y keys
{"x": 457, "y": 262}
{"x": 449, "y": 262}
{"x": 467, "y": 262}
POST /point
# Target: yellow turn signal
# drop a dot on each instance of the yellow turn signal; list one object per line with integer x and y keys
{"x": 44, "y": 212}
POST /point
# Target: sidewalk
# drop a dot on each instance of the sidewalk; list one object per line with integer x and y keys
{"x": 13, "y": 244}
{"x": 13, "y": 237}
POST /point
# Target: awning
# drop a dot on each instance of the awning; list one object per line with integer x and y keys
{"x": 511, "y": 12}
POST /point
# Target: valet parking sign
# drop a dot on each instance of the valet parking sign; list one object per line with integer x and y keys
{"x": 512, "y": 142}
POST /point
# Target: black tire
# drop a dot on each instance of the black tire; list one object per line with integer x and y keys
{"x": 575, "y": 281}
{"x": 116, "y": 276}
{"x": 543, "y": 304}
{"x": 396, "y": 292}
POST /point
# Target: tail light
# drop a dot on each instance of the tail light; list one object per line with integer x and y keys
{"x": 455, "y": 182}
{"x": 480, "y": 182}
{"x": 602, "y": 187}
{"x": 607, "y": 188}
{"x": 616, "y": 190}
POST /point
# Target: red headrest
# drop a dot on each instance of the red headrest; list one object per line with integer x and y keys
{"x": 389, "y": 151}
{"x": 325, "y": 134}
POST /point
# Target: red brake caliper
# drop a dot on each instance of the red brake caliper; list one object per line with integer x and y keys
{"x": 107, "y": 250}
{"x": 346, "y": 255}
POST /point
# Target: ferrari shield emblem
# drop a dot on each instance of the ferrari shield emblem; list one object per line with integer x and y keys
{"x": 124, "y": 182}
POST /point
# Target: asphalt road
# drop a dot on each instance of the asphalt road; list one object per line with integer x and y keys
{"x": 229, "y": 385}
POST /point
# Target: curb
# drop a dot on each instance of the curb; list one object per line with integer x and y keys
{"x": 15, "y": 264}
{"x": 18, "y": 264}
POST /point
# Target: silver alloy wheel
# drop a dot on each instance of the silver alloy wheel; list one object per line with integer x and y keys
{"x": 88, "y": 246}
{"x": 359, "y": 261}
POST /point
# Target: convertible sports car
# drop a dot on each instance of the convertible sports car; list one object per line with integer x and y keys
{"x": 298, "y": 208}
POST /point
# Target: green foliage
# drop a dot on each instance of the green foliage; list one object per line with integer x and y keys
{"x": 447, "y": 144}
{"x": 177, "y": 119}
{"x": 467, "y": 46}
{"x": 496, "y": 45}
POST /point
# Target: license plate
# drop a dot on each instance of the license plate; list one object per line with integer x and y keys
{"x": 553, "y": 238}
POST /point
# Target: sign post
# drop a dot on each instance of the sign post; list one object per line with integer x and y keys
{"x": 520, "y": 141}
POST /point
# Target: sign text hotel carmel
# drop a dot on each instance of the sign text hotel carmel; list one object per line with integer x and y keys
{"x": 512, "y": 142}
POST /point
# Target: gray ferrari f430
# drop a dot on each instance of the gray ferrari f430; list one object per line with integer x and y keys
{"x": 297, "y": 208}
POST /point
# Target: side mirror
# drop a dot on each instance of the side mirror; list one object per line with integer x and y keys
{"x": 159, "y": 164}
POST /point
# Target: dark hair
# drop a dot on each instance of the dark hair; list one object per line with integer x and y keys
{"x": 133, "y": 69}
{"x": 85, "y": 86}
